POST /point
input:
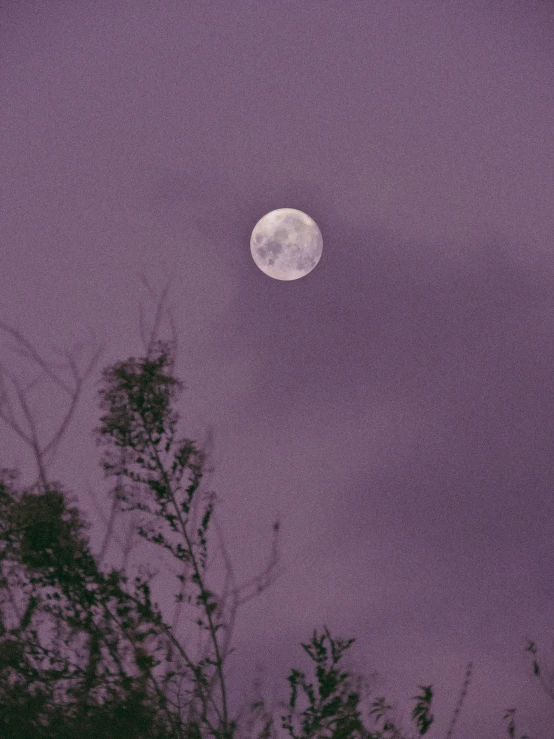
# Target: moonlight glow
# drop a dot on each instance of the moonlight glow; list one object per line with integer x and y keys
{"x": 286, "y": 244}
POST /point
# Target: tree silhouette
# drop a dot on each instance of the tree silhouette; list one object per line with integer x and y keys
{"x": 114, "y": 665}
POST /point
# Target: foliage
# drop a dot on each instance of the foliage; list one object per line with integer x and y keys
{"x": 115, "y": 666}
{"x": 333, "y": 714}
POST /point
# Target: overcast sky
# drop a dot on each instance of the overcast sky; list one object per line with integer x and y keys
{"x": 394, "y": 408}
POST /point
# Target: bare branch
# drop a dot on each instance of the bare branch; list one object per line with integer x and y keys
{"x": 26, "y": 349}
{"x": 149, "y": 345}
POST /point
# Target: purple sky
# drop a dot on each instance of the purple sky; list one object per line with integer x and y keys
{"x": 394, "y": 408}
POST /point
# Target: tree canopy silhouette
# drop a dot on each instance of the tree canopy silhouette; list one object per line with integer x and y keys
{"x": 85, "y": 652}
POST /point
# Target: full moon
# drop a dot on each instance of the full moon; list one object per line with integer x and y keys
{"x": 286, "y": 244}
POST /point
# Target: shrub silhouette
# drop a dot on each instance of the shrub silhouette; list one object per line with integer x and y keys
{"x": 100, "y": 676}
